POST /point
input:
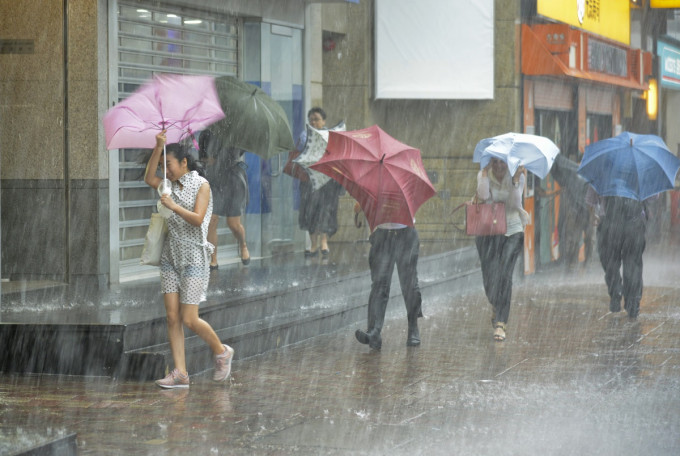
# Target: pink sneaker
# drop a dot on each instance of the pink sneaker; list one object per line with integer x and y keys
{"x": 174, "y": 379}
{"x": 223, "y": 364}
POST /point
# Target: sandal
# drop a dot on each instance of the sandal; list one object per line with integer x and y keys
{"x": 499, "y": 332}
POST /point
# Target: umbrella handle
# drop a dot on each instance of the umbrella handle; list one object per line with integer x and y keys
{"x": 165, "y": 165}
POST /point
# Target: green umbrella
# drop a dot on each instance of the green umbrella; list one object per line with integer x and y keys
{"x": 253, "y": 120}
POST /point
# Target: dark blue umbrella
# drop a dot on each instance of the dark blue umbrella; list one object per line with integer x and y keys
{"x": 630, "y": 165}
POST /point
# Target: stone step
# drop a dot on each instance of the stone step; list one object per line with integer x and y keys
{"x": 125, "y": 331}
{"x": 224, "y": 311}
{"x": 36, "y": 440}
{"x": 285, "y": 328}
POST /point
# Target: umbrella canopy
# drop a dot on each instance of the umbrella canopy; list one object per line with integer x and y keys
{"x": 253, "y": 120}
{"x": 385, "y": 176}
{"x": 315, "y": 148}
{"x": 535, "y": 153}
{"x": 179, "y": 104}
{"x": 630, "y": 165}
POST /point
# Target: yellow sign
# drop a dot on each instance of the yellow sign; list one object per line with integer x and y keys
{"x": 608, "y": 18}
{"x": 664, "y": 3}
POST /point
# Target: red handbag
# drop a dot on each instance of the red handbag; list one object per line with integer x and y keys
{"x": 293, "y": 169}
{"x": 485, "y": 219}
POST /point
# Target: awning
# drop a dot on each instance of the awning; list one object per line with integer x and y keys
{"x": 560, "y": 50}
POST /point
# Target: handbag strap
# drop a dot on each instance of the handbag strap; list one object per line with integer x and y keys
{"x": 474, "y": 200}
{"x": 458, "y": 207}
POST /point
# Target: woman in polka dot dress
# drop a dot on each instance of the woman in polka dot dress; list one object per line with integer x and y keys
{"x": 186, "y": 258}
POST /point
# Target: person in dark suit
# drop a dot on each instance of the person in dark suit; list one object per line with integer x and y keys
{"x": 621, "y": 226}
{"x": 392, "y": 244}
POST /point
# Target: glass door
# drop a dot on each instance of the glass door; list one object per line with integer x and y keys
{"x": 273, "y": 61}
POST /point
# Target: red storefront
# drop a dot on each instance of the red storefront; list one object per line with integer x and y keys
{"x": 578, "y": 88}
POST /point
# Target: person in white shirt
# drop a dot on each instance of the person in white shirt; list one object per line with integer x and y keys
{"x": 498, "y": 254}
{"x": 185, "y": 261}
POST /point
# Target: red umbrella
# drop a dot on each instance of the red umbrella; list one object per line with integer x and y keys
{"x": 385, "y": 176}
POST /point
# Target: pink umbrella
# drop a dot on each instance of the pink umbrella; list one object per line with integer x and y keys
{"x": 179, "y": 104}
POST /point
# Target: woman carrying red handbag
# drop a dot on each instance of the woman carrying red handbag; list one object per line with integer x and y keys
{"x": 498, "y": 253}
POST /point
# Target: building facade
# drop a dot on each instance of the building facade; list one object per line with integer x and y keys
{"x": 73, "y": 210}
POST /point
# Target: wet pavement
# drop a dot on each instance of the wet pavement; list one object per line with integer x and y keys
{"x": 570, "y": 379}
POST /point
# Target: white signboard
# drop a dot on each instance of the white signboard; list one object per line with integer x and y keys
{"x": 434, "y": 49}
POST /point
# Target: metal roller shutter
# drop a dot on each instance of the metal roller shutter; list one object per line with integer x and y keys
{"x": 150, "y": 41}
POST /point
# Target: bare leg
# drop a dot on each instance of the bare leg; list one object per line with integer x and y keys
{"x": 201, "y": 328}
{"x": 315, "y": 242}
{"x": 234, "y": 224}
{"x": 324, "y": 241}
{"x": 212, "y": 237}
{"x": 175, "y": 330}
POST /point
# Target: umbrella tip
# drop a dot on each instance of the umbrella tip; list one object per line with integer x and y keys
{"x": 382, "y": 158}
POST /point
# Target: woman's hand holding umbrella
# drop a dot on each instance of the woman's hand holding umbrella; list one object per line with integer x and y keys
{"x": 519, "y": 172}
{"x": 167, "y": 201}
{"x": 161, "y": 139}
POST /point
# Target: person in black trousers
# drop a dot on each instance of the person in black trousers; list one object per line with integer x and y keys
{"x": 498, "y": 254}
{"x": 392, "y": 244}
{"x": 621, "y": 226}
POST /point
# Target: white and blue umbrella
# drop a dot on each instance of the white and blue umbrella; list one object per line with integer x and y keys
{"x": 535, "y": 153}
{"x": 630, "y": 165}
{"x": 315, "y": 148}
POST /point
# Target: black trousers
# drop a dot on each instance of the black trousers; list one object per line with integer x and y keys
{"x": 498, "y": 255}
{"x": 622, "y": 244}
{"x": 389, "y": 248}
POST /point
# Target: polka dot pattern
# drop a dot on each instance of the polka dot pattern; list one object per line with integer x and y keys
{"x": 186, "y": 254}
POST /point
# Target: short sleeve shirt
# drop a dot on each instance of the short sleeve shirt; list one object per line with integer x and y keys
{"x": 187, "y": 244}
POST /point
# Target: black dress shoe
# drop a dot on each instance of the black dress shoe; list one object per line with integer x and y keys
{"x": 324, "y": 252}
{"x": 309, "y": 254}
{"x": 372, "y": 338}
{"x": 413, "y": 338}
{"x": 633, "y": 310}
{"x": 246, "y": 261}
{"x": 214, "y": 267}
